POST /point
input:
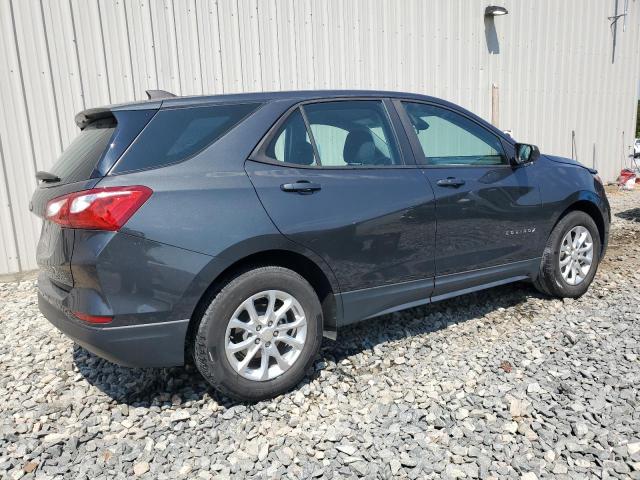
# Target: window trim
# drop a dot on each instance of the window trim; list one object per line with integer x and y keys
{"x": 307, "y": 125}
{"x": 258, "y": 154}
{"x": 416, "y": 147}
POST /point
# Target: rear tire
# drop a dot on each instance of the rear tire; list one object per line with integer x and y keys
{"x": 574, "y": 241}
{"x": 260, "y": 334}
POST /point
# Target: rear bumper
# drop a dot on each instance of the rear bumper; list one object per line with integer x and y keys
{"x": 148, "y": 345}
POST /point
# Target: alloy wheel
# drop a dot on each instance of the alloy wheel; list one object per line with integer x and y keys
{"x": 265, "y": 335}
{"x": 576, "y": 255}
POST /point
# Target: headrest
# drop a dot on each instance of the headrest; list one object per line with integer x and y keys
{"x": 359, "y": 147}
{"x": 302, "y": 154}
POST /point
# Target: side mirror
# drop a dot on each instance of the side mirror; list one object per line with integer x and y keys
{"x": 526, "y": 153}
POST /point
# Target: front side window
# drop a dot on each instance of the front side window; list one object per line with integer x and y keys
{"x": 448, "y": 138}
{"x": 346, "y": 134}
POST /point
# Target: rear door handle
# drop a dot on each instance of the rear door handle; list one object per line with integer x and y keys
{"x": 450, "y": 182}
{"x": 301, "y": 186}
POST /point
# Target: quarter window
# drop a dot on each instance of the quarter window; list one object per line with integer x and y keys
{"x": 178, "y": 133}
{"x": 448, "y": 138}
{"x": 291, "y": 144}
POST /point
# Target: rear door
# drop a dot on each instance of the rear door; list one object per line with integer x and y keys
{"x": 334, "y": 177}
{"x": 488, "y": 211}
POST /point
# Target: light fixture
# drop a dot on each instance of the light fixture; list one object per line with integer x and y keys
{"x": 494, "y": 11}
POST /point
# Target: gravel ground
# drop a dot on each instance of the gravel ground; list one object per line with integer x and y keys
{"x": 500, "y": 384}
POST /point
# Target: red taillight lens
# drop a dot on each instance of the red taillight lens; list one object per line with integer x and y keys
{"x": 92, "y": 318}
{"x": 106, "y": 208}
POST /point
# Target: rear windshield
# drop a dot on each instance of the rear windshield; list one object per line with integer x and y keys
{"x": 176, "y": 134}
{"x": 81, "y": 156}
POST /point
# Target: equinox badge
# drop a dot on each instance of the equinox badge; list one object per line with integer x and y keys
{"x": 520, "y": 231}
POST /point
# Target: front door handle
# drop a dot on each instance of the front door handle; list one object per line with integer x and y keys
{"x": 301, "y": 186}
{"x": 450, "y": 182}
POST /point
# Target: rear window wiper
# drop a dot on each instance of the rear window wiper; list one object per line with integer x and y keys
{"x": 47, "y": 177}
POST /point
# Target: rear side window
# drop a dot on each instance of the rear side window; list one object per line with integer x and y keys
{"x": 80, "y": 158}
{"x": 352, "y": 133}
{"x": 346, "y": 133}
{"x": 176, "y": 134}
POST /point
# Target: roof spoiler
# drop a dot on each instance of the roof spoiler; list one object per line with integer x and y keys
{"x": 156, "y": 94}
{"x": 85, "y": 117}
{"x": 89, "y": 115}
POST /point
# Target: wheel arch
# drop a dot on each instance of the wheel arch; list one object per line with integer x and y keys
{"x": 589, "y": 207}
{"x": 320, "y": 279}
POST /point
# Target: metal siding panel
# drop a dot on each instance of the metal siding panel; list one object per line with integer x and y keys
{"x": 23, "y": 89}
{"x": 209, "y": 41}
{"x": 351, "y": 60}
{"x": 553, "y": 69}
{"x": 322, "y": 48}
{"x": 382, "y": 43}
{"x": 269, "y": 58}
{"x": 91, "y": 55}
{"x": 116, "y": 50}
{"x": 65, "y": 69}
{"x": 9, "y": 261}
{"x": 303, "y": 21}
{"x": 231, "y": 46}
{"x": 374, "y": 55}
{"x": 287, "y": 47}
{"x": 141, "y": 48}
{"x": 37, "y": 83}
{"x": 165, "y": 46}
{"x": 188, "y": 46}
{"x": 333, "y": 18}
{"x": 249, "y": 35}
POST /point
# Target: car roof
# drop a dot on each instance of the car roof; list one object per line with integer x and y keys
{"x": 84, "y": 117}
{"x": 298, "y": 95}
{"x": 170, "y": 101}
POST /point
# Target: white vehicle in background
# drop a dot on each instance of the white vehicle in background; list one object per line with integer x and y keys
{"x": 636, "y": 148}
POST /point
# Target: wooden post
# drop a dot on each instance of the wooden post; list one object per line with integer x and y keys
{"x": 495, "y": 107}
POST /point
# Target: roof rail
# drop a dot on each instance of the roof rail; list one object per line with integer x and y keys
{"x": 156, "y": 94}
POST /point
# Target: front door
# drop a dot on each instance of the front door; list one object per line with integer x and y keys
{"x": 333, "y": 178}
{"x": 488, "y": 211}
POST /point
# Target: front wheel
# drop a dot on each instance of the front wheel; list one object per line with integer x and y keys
{"x": 571, "y": 257}
{"x": 260, "y": 334}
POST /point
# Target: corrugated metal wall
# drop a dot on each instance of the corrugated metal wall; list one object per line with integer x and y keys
{"x": 551, "y": 61}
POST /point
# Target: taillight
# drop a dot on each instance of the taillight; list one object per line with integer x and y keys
{"x": 93, "y": 318}
{"x": 107, "y": 208}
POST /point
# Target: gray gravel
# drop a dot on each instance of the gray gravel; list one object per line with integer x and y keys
{"x": 499, "y": 384}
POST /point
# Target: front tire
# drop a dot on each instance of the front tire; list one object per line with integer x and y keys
{"x": 260, "y": 334}
{"x": 571, "y": 257}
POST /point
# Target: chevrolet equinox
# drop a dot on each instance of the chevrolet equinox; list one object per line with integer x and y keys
{"x": 238, "y": 230}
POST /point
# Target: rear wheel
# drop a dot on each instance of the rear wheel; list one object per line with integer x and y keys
{"x": 570, "y": 258}
{"x": 260, "y": 334}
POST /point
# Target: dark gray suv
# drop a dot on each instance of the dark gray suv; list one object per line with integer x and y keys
{"x": 238, "y": 230}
